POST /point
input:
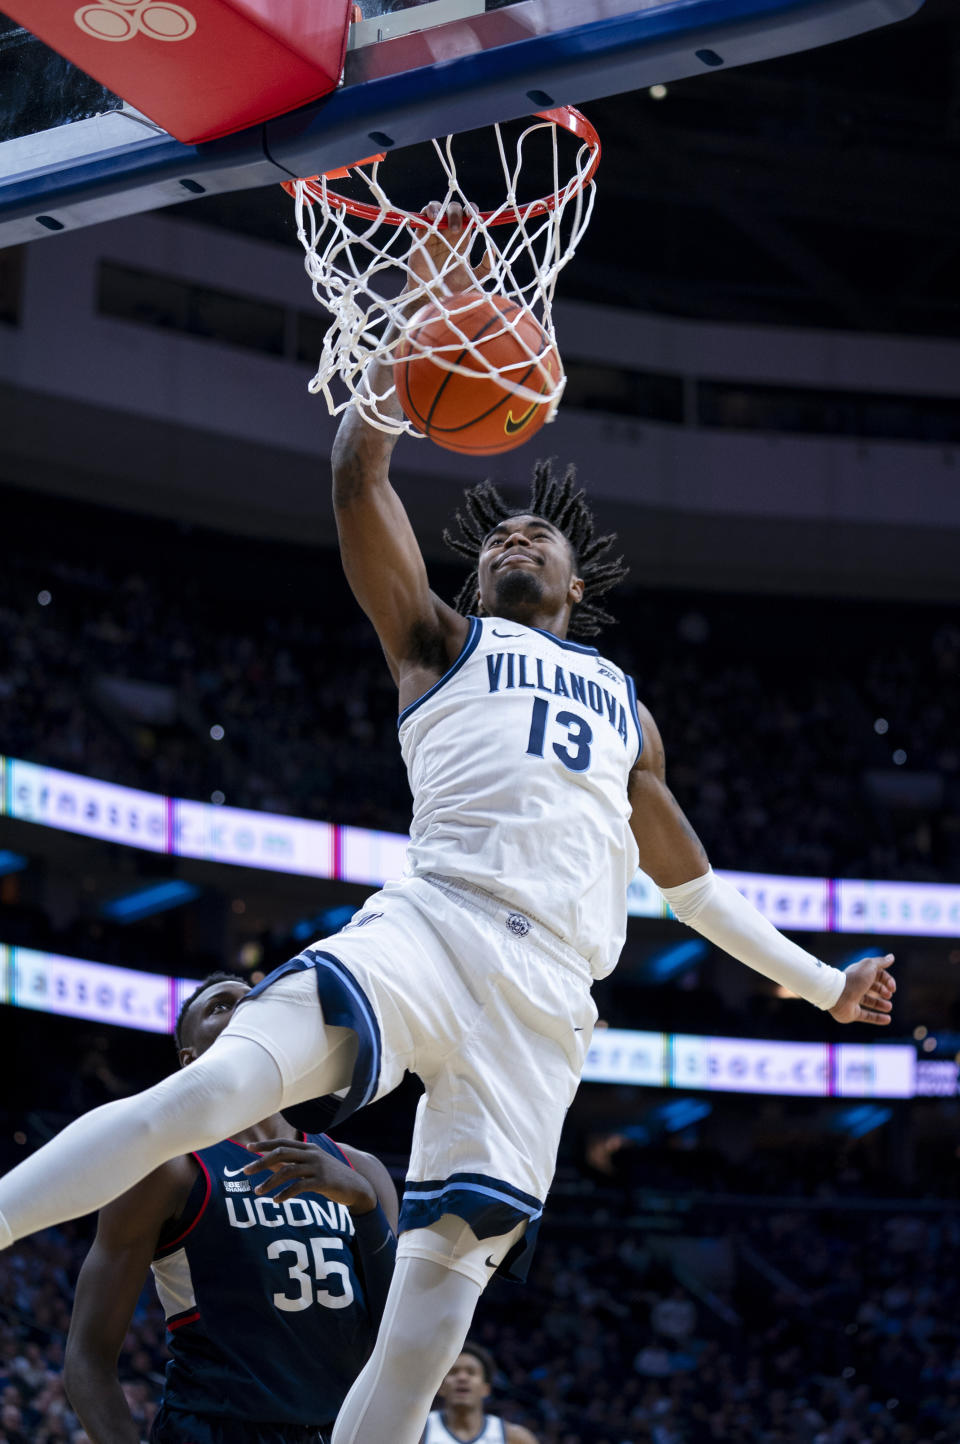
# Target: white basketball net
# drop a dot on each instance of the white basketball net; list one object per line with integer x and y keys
{"x": 359, "y": 268}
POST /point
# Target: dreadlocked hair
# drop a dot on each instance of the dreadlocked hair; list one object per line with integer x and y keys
{"x": 557, "y": 500}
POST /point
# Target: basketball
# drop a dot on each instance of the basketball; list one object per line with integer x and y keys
{"x": 479, "y": 414}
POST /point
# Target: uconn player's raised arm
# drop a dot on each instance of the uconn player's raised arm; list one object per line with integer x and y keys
{"x": 420, "y": 634}
{"x": 673, "y": 856}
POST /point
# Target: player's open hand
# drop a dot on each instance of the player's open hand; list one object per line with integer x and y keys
{"x": 295, "y": 1167}
{"x": 439, "y": 257}
{"x": 868, "y": 991}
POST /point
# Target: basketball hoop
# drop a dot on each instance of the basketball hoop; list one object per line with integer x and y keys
{"x": 357, "y": 250}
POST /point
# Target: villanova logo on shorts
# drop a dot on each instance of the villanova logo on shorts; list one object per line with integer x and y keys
{"x": 518, "y": 924}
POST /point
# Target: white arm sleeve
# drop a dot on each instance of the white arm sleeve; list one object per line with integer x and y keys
{"x": 714, "y": 908}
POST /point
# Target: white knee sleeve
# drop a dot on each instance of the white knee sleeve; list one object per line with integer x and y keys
{"x": 428, "y": 1314}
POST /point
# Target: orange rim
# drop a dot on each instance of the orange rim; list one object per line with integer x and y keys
{"x": 564, "y": 116}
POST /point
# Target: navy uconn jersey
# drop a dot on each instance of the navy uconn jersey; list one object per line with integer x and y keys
{"x": 437, "y": 1432}
{"x": 518, "y": 762}
{"x": 265, "y": 1311}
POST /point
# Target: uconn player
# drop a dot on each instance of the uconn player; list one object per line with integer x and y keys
{"x": 272, "y": 1288}
{"x": 461, "y": 1417}
{"x": 538, "y": 786}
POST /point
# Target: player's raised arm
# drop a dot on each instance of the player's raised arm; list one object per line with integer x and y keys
{"x": 108, "y": 1287}
{"x": 381, "y": 556}
{"x": 673, "y": 856}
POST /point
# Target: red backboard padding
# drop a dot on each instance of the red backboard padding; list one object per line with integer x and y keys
{"x": 199, "y": 68}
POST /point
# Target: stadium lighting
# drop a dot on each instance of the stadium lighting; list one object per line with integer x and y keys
{"x": 858, "y": 1122}
{"x": 157, "y": 898}
{"x": 665, "y": 965}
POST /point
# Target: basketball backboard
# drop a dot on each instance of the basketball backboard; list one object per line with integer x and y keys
{"x": 73, "y": 154}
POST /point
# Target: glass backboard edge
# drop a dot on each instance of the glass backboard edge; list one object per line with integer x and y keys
{"x": 585, "y": 61}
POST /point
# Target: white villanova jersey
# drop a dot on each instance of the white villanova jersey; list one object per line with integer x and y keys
{"x": 518, "y": 760}
{"x": 437, "y": 1432}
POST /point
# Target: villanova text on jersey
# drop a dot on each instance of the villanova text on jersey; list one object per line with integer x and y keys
{"x": 519, "y": 760}
{"x": 265, "y": 1307}
{"x": 518, "y": 669}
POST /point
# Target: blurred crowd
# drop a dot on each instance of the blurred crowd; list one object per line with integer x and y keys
{"x": 818, "y": 1327}
{"x": 825, "y": 1325}
{"x": 36, "y": 1288}
{"x": 802, "y": 737}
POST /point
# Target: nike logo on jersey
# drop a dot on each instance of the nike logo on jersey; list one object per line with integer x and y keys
{"x": 505, "y": 634}
{"x": 492, "y": 1263}
{"x": 232, "y": 1172}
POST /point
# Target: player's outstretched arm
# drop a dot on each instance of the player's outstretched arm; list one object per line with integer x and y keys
{"x": 382, "y": 559}
{"x": 381, "y": 556}
{"x": 108, "y": 1287}
{"x": 673, "y": 856}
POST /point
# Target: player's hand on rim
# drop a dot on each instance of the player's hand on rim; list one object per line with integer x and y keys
{"x": 296, "y": 1166}
{"x": 868, "y": 990}
{"x": 439, "y": 257}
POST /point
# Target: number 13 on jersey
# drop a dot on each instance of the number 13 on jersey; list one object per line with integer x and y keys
{"x": 574, "y": 751}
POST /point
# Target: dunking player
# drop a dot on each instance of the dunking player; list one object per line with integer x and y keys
{"x": 462, "y": 1418}
{"x": 538, "y": 786}
{"x": 272, "y": 1288}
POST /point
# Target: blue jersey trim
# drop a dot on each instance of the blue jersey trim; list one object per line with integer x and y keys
{"x": 332, "y": 979}
{"x": 175, "y": 1231}
{"x": 473, "y": 637}
{"x": 490, "y": 1206}
{"x": 330, "y": 1143}
{"x": 483, "y": 1179}
{"x": 421, "y": 1195}
{"x": 561, "y": 642}
{"x": 632, "y": 691}
{"x": 345, "y": 1005}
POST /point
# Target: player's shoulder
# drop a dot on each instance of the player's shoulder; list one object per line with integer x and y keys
{"x": 517, "y": 1434}
{"x": 370, "y": 1167}
{"x": 150, "y": 1205}
{"x": 346, "y": 1152}
{"x": 435, "y": 1430}
{"x": 172, "y": 1181}
{"x": 652, "y": 757}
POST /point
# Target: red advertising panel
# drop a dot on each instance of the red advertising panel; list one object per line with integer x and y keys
{"x": 202, "y": 68}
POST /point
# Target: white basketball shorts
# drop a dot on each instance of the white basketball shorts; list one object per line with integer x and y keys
{"x": 490, "y": 1009}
